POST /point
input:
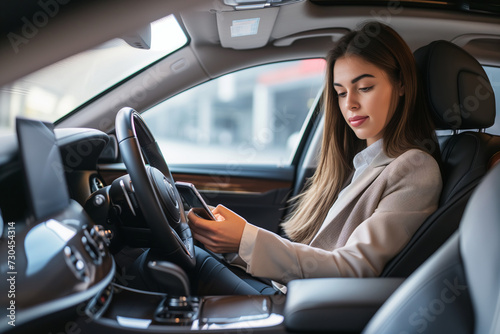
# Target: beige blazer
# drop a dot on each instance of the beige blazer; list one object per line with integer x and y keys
{"x": 374, "y": 219}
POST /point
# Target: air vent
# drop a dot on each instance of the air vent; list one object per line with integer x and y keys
{"x": 96, "y": 183}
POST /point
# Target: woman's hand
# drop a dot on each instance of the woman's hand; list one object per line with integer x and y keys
{"x": 221, "y": 236}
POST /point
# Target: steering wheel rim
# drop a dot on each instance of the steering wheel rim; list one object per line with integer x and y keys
{"x": 174, "y": 237}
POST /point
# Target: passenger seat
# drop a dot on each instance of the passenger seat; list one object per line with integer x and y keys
{"x": 456, "y": 290}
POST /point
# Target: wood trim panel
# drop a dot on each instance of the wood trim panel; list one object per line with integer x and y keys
{"x": 229, "y": 183}
{"x": 217, "y": 183}
{"x": 109, "y": 175}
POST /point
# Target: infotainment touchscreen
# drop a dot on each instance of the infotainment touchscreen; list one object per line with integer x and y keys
{"x": 43, "y": 168}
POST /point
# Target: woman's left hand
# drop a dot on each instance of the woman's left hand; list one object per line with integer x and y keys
{"x": 222, "y": 235}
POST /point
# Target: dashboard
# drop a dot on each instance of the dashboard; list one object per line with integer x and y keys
{"x": 58, "y": 220}
{"x": 56, "y": 257}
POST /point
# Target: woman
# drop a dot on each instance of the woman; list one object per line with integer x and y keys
{"x": 376, "y": 125}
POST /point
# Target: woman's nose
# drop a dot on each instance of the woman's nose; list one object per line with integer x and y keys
{"x": 351, "y": 102}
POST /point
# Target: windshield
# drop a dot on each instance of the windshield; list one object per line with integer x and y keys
{"x": 56, "y": 90}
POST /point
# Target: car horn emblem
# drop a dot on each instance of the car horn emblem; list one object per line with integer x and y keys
{"x": 170, "y": 191}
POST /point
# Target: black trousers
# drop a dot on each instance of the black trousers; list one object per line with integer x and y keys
{"x": 211, "y": 276}
{"x": 214, "y": 277}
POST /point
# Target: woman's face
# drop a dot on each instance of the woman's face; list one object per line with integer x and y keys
{"x": 364, "y": 95}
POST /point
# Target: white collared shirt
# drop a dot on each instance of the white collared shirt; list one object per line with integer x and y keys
{"x": 361, "y": 161}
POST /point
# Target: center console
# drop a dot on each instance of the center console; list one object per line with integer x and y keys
{"x": 334, "y": 305}
{"x": 135, "y": 311}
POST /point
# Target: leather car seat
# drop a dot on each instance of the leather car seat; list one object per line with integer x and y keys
{"x": 461, "y": 99}
{"x": 457, "y": 290}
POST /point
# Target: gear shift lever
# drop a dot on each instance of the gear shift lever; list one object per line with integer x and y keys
{"x": 170, "y": 276}
{"x": 177, "y": 308}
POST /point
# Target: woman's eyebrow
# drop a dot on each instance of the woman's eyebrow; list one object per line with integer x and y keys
{"x": 353, "y": 81}
{"x": 361, "y": 77}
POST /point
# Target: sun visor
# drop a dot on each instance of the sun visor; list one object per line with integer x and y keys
{"x": 247, "y": 29}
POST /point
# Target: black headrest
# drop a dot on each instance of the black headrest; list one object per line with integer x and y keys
{"x": 458, "y": 90}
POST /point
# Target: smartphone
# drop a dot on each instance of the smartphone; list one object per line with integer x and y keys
{"x": 192, "y": 199}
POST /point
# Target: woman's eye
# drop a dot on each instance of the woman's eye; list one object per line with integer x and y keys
{"x": 366, "y": 89}
{"x": 341, "y": 94}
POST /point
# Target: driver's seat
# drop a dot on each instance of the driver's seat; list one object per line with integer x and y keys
{"x": 460, "y": 99}
{"x": 457, "y": 290}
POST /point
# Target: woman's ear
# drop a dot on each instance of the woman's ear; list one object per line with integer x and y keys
{"x": 400, "y": 86}
{"x": 401, "y": 89}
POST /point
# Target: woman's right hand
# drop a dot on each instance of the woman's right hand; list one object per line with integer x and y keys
{"x": 222, "y": 235}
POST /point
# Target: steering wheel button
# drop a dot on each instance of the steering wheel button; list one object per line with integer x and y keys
{"x": 99, "y": 200}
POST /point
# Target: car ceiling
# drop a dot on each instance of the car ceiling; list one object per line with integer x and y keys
{"x": 309, "y": 29}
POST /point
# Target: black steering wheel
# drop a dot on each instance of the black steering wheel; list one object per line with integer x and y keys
{"x": 154, "y": 188}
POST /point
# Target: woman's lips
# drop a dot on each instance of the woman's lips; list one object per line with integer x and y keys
{"x": 357, "y": 120}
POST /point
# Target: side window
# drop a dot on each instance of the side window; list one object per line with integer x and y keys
{"x": 494, "y": 76}
{"x": 253, "y": 116}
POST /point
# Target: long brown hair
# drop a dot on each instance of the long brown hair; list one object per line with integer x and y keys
{"x": 409, "y": 127}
